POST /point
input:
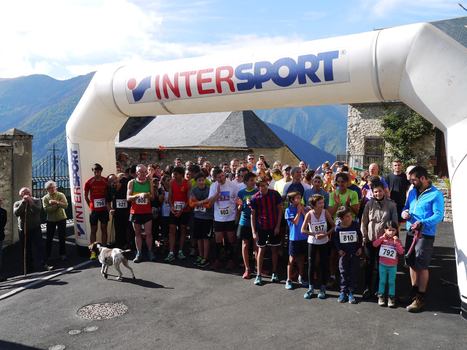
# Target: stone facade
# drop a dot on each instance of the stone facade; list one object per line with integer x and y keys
{"x": 364, "y": 121}
{"x": 16, "y": 165}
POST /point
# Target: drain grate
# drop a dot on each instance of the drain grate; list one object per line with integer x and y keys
{"x": 103, "y": 311}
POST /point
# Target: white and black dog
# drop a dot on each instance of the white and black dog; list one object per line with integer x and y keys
{"x": 111, "y": 256}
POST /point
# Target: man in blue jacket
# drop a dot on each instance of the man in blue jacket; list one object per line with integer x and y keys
{"x": 423, "y": 210}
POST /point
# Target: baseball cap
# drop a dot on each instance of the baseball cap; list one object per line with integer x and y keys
{"x": 285, "y": 167}
{"x": 318, "y": 176}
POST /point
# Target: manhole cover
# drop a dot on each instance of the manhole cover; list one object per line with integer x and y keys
{"x": 104, "y": 311}
{"x": 57, "y": 347}
{"x": 91, "y": 329}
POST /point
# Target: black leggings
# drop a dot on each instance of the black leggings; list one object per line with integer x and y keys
{"x": 323, "y": 250}
{"x": 372, "y": 263}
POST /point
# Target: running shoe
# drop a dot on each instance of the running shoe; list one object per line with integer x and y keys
{"x": 138, "y": 258}
{"x": 322, "y": 293}
{"x": 203, "y": 263}
{"x": 381, "y": 301}
{"x": 198, "y": 260}
{"x": 246, "y": 275}
{"x": 258, "y": 280}
{"x": 288, "y": 285}
{"x": 93, "y": 256}
{"x": 352, "y": 299}
{"x": 309, "y": 293}
{"x": 274, "y": 278}
{"x": 170, "y": 257}
{"x": 341, "y": 298}
{"x": 180, "y": 255}
{"x": 391, "y": 302}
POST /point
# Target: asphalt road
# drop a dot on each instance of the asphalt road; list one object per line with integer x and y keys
{"x": 180, "y": 307}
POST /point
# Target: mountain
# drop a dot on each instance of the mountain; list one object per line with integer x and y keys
{"x": 41, "y": 105}
{"x": 305, "y": 151}
{"x": 323, "y": 126}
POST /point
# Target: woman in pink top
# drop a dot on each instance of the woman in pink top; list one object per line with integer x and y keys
{"x": 389, "y": 247}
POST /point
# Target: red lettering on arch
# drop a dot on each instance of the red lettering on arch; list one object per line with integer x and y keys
{"x": 227, "y": 78}
{"x": 200, "y": 81}
{"x": 187, "y": 76}
{"x": 166, "y": 82}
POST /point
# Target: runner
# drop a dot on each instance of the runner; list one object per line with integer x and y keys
{"x": 266, "y": 215}
{"x": 95, "y": 194}
{"x": 244, "y": 226}
{"x": 203, "y": 218}
{"x": 294, "y": 215}
{"x": 140, "y": 193}
{"x": 318, "y": 225}
{"x": 222, "y": 195}
{"x": 378, "y": 211}
{"x": 179, "y": 212}
{"x": 389, "y": 247}
{"x": 348, "y": 242}
{"x": 121, "y": 212}
{"x": 316, "y": 188}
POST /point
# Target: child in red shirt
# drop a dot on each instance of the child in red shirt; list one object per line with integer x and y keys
{"x": 390, "y": 247}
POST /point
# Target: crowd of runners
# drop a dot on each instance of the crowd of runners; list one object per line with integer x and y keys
{"x": 331, "y": 219}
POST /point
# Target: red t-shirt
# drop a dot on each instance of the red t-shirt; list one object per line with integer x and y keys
{"x": 97, "y": 193}
{"x": 180, "y": 195}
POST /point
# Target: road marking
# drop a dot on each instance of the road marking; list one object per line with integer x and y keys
{"x": 43, "y": 279}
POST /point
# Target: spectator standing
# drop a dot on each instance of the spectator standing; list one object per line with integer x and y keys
{"x": 28, "y": 212}
{"x": 55, "y": 203}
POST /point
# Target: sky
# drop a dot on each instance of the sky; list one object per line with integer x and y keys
{"x": 66, "y": 38}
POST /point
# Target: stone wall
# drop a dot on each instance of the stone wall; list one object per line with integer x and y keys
{"x": 16, "y": 162}
{"x": 365, "y": 120}
{"x": 6, "y": 187}
{"x": 216, "y": 157}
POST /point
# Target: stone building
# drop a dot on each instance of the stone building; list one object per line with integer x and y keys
{"x": 219, "y": 137}
{"x": 16, "y": 172}
{"x": 365, "y": 144}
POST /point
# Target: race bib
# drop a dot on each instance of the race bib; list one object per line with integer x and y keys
{"x": 141, "y": 201}
{"x": 318, "y": 227}
{"x": 224, "y": 211}
{"x": 99, "y": 203}
{"x": 388, "y": 251}
{"x": 121, "y": 204}
{"x": 178, "y": 206}
{"x": 200, "y": 209}
{"x": 348, "y": 237}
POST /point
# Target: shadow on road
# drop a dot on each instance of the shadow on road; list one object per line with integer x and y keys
{"x": 6, "y": 345}
{"x": 138, "y": 281}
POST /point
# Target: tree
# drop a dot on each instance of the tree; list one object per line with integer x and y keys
{"x": 402, "y": 129}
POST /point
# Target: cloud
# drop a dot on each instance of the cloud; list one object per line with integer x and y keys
{"x": 38, "y": 36}
{"x": 68, "y": 38}
{"x": 382, "y": 8}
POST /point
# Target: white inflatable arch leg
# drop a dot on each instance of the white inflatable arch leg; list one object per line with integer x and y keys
{"x": 418, "y": 64}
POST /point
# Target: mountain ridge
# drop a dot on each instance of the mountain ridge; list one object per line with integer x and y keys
{"x": 41, "y": 105}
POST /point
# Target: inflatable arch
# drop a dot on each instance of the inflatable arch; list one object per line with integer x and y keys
{"x": 423, "y": 65}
